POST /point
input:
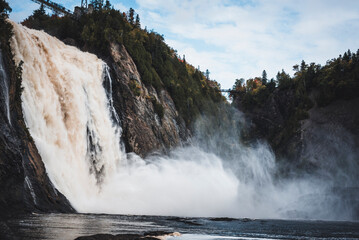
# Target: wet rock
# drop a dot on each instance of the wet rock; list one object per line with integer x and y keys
{"x": 223, "y": 219}
{"x": 156, "y": 235}
{"x": 144, "y": 129}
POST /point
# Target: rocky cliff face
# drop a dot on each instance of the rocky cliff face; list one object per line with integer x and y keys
{"x": 24, "y": 184}
{"x": 330, "y": 137}
{"x": 150, "y": 121}
{"x": 272, "y": 122}
{"x": 327, "y": 135}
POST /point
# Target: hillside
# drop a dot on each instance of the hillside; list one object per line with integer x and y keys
{"x": 283, "y": 110}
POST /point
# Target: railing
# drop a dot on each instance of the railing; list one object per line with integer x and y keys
{"x": 57, "y": 8}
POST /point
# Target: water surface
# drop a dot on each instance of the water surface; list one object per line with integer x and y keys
{"x": 70, "y": 226}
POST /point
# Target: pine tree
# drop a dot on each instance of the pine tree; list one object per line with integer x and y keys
{"x": 107, "y": 5}
{"x": 97, "y": 4}
{"x": 303, "y": 66}
{"x": 38, "y": 13}
{"x": 207, "y": 74}
{"x": 137, "y": 23}
{"x": 264, "y": 77}
{"x": 131, "y": 15}
{"x": 5, "y": 9}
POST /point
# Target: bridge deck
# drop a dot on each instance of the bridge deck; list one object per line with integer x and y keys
{"x": 54, "y": 6}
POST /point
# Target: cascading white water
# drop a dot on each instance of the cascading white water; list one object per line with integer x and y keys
{"x": 66, "y": 109}
{"x": 5, "y": 88}
{"x": 70, "y": 116}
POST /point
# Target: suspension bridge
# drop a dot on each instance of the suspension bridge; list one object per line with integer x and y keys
{"x": 61, "y": 10}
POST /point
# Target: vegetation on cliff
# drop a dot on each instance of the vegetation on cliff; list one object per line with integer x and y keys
{"x": 158, "y": 64}
{"x": 5, "y": 27}
{"x": 292, "y": 97}
{"x": 338, "y": 79}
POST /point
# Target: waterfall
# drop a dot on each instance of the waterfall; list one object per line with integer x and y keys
{"x": 68, "y": 108}
{"x": 5, "y": 88}
{"x": 67, "y": 112}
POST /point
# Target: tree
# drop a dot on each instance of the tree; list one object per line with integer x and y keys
{"x": 207, "y": 74}
{"x": 239, "y": 85}
{"x": 131, "y": 15}
{"x": 38, "y": 13}
{"x": 5, "y": 9}
{"x": 303, "y": 66}
{"x": 346, "y": 57}
{"x": 107, "y": 5}
{"x": 264, "y": 77}
{"x": 284, "y": 80}
{"x": 97, "y": 4}
{"x": 137, "y": 23}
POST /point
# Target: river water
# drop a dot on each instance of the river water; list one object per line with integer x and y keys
{"x": 70, "y": 226}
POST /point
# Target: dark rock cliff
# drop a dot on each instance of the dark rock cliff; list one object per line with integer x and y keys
{"x": 145, "y": 129}
{"x": 323, "y": 136}
{"x": 330, "y": 138}
{"x": 24, "y": 184}
{"x": 272, "y": 122}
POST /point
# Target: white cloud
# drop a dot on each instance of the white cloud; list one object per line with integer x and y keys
{"x": 242, "y": 38}
{"x": 121, "y": 7}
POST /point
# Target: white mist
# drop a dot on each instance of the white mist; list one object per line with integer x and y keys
{"x": 72, "y": 121}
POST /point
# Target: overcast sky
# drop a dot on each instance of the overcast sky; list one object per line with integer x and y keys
{"x": 241, "y": 38}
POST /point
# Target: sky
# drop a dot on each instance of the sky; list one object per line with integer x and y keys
{"x": 241, "y": 38}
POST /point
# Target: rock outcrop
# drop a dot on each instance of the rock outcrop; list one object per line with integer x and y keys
{"x": 330, "y": 136}
{"x": 145, "y": 127}
{"x": 326, "y": 134}
{"x": 272, "y": 122}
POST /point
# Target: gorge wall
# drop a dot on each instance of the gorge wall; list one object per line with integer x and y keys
{"x": 144, "y": 130}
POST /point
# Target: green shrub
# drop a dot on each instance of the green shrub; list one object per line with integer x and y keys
{"x": 157, "y": 107}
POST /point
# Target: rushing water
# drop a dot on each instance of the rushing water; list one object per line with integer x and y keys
{"x": 4, "y": 84}
{"x": 67, "y": 105}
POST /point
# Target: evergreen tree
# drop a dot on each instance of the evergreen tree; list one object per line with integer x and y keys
{"x": 207, "y": 74}
{"x": 137, "y": 23}
{"x": 264, "y": 77}
{"x": 38, "y": 13}
{"x": 131, "y": 15}
{"x": 107, "y": 5}
{"x": 346, "y": 57}
{"x": 97, "y": 4}
{"x": 284, "y": 80}
{"x": 5, "y": 9}
{"x": 303, "y": 66}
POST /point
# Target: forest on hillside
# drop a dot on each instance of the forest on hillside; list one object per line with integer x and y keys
{"x": 291, "y": 98}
